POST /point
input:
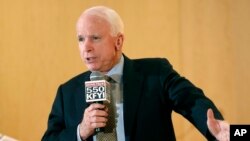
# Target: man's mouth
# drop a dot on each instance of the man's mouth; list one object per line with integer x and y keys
{"x": 90, "y": 59}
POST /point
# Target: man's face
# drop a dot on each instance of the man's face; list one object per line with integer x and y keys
{"x": 98, "y": 49}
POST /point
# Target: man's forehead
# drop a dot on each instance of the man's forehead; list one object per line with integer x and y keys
{"x": 92, "y": 24}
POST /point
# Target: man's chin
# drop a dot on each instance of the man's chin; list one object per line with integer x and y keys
{"x": 93, "y": 68}
{"x": 97, "y": 68}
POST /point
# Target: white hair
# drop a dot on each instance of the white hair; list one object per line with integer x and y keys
{"x": 110, "y": 15}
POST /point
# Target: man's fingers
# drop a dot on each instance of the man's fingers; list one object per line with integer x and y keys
{"x": 212, "y": 123}
{"x": 95, "y": 106}
{"x": 96, "y": 116}
{"x": 98, "y": 125}
{"x": 210, "y": 114}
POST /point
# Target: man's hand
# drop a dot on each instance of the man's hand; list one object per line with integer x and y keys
{"x": 95, "y": 116}
{"x": 218, "y": 128}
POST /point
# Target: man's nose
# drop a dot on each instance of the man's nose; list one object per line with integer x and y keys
{"x": 87, "y": 45}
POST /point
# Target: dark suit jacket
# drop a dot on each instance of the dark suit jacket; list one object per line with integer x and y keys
{"x": 152, "y": 90}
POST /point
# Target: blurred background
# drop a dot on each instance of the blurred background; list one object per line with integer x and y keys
{"x": 207, "y": 41}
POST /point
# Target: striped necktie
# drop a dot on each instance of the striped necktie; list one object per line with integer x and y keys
{"x": 109, "y": 133}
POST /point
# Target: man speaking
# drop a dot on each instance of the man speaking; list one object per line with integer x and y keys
{"x": 144, "y": 92}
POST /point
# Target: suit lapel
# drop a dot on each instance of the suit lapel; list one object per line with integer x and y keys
{"x": 132, "y": 87}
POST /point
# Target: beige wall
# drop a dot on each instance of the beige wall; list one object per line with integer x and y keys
{"x": 206, "y": 40}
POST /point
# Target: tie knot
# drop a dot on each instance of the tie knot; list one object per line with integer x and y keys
{"x": 109, "y": 79}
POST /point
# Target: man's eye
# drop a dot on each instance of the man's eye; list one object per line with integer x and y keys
{"x": 80, "y": 39}
{"x": 96, "y": 38}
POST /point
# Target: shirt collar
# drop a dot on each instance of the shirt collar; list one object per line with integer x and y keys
{"x": 117, "y": 71}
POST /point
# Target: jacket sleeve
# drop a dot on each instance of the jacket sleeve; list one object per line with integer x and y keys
{"x": 187, "y": 99}
{"x": 56, "y": 130}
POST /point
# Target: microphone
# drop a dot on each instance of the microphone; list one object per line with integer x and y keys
{"x": 97, "y": 90}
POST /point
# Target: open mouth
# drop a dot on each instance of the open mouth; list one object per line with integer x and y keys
{"x": 90, "y": 59}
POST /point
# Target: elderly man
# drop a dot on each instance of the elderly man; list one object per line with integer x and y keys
{"x": 148, "y": 90}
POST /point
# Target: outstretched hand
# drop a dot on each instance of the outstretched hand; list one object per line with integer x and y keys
{"x": 218, "y": 128}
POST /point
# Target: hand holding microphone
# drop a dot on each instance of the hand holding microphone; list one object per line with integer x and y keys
{"x": 97, "y": 92}
{"x": 95, "y": 116}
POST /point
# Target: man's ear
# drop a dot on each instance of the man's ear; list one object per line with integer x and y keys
{"x": 119, "y": 41}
